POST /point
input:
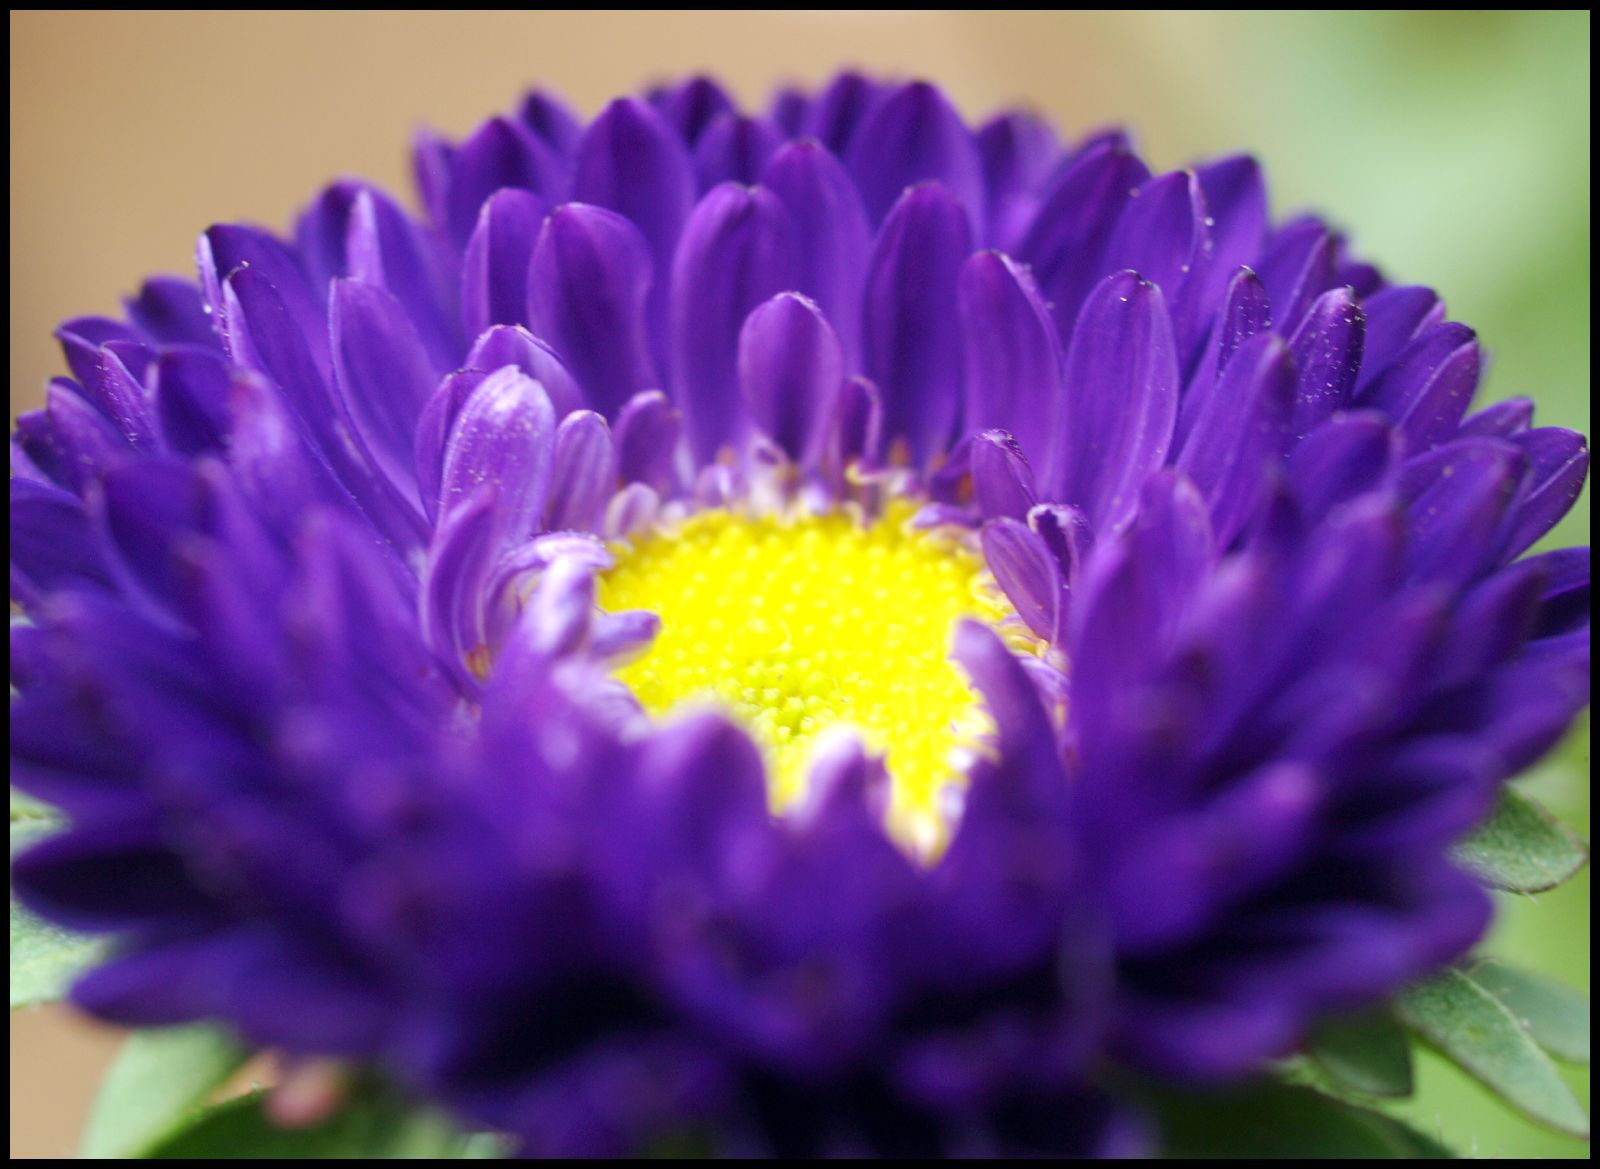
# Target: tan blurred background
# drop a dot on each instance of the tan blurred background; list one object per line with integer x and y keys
{"x": 1456, "y": 145}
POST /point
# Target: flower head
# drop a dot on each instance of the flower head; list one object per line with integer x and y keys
{"x": 823, "y": 628}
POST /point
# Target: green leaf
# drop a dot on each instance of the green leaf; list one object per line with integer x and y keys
{"x": 1366, "y": 1052}
{"x": 1522, "y": 848}
{"x": 44, "y": 958}
{"x": 1555, "y": 1016}
{"x": 1471, "y": 1027}
{"x": 376, "y": 1123}
{"x": 159, "y": 1078}
{"x": 1270, "y": 1119}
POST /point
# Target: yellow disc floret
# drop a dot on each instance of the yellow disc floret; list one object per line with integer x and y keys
{"x": 800, "y": 623}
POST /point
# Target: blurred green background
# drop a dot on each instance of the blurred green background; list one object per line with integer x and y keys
{"x": 1454, "y": 147}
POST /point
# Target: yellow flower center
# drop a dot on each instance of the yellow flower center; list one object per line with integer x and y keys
{"x": 800, "y": 623}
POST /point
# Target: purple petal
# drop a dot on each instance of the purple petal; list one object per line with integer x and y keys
{"x": 1501, "y": 420}
{"x": 1296, "y": 267}
{"x": 1162, "y": 235}
{"x": 1002, "y": 481}
{"x": 549, "y": 118}
{"x": 1013, "y": 356}
{"x": 451, "y": 603}
{"x": 494, "y": 272}
{"x": 832, "y": 239}
{"x": 840, "y": 110}
{"x": 915, "y": 135}
{"x": 1429, "y": 386}
{"x": 1245, "y": 312}
{"x": 693, "y": 107}
{"x": 1075, "y": 221}
{"x": 1457, "y": 496}
{"x": 790, "y": 370}
{"x": 382, "y": 375}
{"x": 384, "y": 248}
{"x": 512, "y": 345}
{"x": 632, "y": 162}
{"x": 1394, "y": 317}
{"x": 52, "y": 547}
{"x": 106, "y": 877}
{"x": 912, "y": 339}
{"x": 1558, "y": 463}
{"x": 500, "y": 153}
{"x": 434, "y": 424}
{"x": 1236, "y": 202}
{"x": 1119, "y": 404}
{"x": 647, "y": 433}
{"x": 585, "y": 474}
{"x": 1346, "y": 457}
{"x": 1018, "y": 151}
{"x": 190, "y": 388}
{"x": 1242, "y": 434}
{"x": 79, "y": 440}
{"x": 1026, "y": 571}
{"x": 738, "y": 249}
{"x": 1327, "y": 354}
{"x": 586, "y": 296}
{"x": 734, "y": 149}
{"x": 226, "y": 248}
{"x": 172, "y": 312}
{"x": 503, "y": 438}
{"x": 860, "y": 423}
{"x": 81, "y": 339}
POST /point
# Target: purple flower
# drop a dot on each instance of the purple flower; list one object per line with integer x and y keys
{"x": 515, "y": 648}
